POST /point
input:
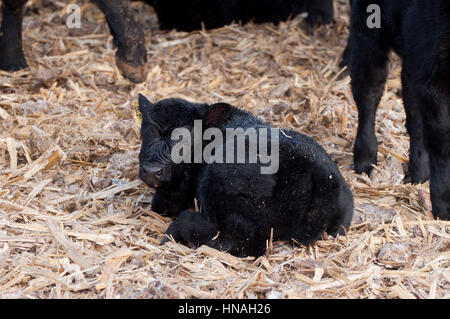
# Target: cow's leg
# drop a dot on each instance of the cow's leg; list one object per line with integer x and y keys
{"x": 419, "y": 162}
{"x": 345, "y": 62}
{"x": 440, "y": 181}
{"x": 11, "y": 54}
{"x": 131, "y": 56}
{"x": 368, "y": 71}
{"x": 434, "y": 101}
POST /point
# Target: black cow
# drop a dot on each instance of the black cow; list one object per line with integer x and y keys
{"x": 189, "y": 15}
{"x": 419, "y": 31}
{"x": 128, "y": 37}
{"x": 173, "y": 14}
{"x": 239, "y": 204}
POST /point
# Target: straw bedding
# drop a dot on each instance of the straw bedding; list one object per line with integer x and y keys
{"x": 75, "y": 221}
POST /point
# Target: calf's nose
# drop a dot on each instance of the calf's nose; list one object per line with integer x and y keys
{"x": 150, "y": 169}
{"x": 151, "y": 174}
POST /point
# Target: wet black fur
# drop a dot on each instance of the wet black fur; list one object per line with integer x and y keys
{"x": 305, "y": 198}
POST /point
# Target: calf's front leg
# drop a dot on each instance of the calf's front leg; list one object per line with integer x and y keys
{"x": 191, "y": 228}
{"x": 172, "y": 203}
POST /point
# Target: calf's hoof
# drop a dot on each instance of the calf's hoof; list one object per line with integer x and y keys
{"x": 191, "y": 228}
{"x": 164, "y": 240}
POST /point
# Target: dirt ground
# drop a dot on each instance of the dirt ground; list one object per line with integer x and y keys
{"x": 75, "y": 221}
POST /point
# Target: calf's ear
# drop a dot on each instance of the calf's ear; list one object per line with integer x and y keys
{"x": 144, "y": 104}
{"x": 217, "y": 114}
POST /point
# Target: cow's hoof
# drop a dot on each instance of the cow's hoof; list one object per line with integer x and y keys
{"x": 136, "y": 74}
{"x": 12, "y": 61}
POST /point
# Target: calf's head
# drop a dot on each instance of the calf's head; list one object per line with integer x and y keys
{"x": 159, "y": 120}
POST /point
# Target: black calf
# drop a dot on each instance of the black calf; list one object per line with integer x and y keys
{"x": 419, "y": 31}
{"x": 239, "y": 205}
